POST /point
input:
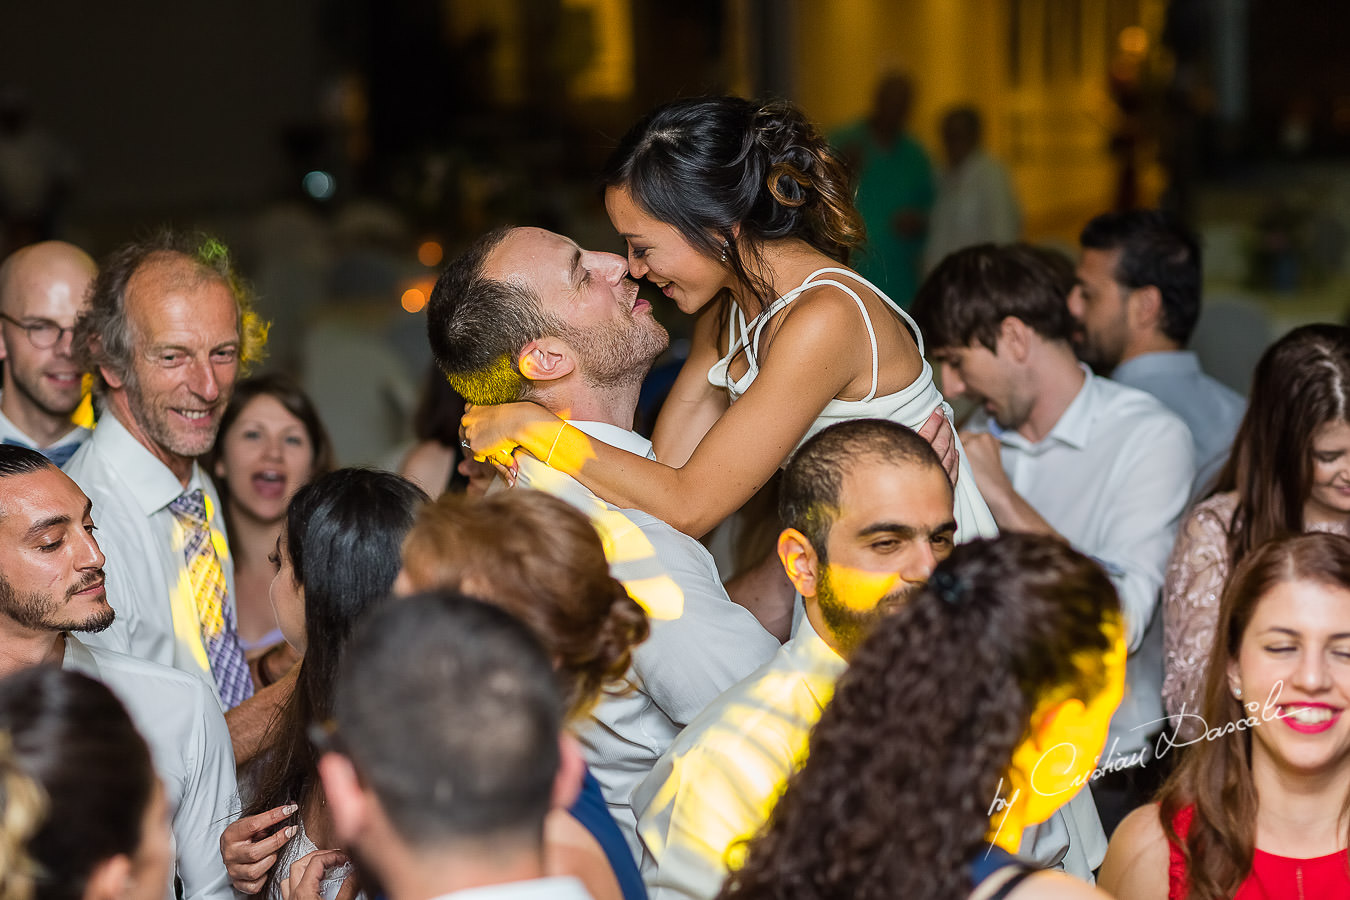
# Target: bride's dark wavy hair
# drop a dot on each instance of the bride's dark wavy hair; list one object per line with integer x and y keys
{"x": 893, "y": 800}
{"x": 730, "y": 174}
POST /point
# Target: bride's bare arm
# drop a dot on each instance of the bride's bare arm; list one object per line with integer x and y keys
{"x": 814, "y": 355}
{"x": 694, "y": 404}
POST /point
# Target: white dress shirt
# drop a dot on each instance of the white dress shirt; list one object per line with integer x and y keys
{"x": 701, "y": 642}
{"x": 1210, "y": 409}
{"x": 1113, "y": 477}
{"x": 721, "y": 777}
{"x": 181, "y": 722}
{"x": 147, "y": 576}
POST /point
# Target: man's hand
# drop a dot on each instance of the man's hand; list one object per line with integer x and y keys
{"x": 307, "y": 876}
{"x": 1011, "y": 511}
{"x": 937, "y": 431}
{"x": 480, "y": 475}
{"x": 249, "y": 847}
{"x": 986, "y": 464}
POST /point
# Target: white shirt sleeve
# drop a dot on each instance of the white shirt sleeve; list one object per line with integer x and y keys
{"x": 1153, "y": 478}
{"x": 209, "y": 803}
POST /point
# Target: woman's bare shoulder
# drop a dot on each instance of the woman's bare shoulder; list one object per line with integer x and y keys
{"x": 830, "y": 313}
{"x": 1056, "y": 886}
{"x": 1138, "y": 857}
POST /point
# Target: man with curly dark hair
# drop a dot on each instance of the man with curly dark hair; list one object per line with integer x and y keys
{"x": 166, "y": 330}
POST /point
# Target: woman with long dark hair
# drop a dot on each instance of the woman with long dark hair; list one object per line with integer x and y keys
{"x": 743, "y": 216}
{"x": 338, "y": 555}
{"x": 102, "y": 832}
{"x": 1289, "y": 472}
{"x": 541, "y": 560}
{"x": 270, "y": 444}
{"x": 990, "y": 690}
{"x": 1257, "y": 808}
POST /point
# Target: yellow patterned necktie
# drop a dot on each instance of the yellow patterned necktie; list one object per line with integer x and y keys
{"x": 228, "y": 664}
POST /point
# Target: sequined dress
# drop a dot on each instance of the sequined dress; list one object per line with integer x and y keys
{"x": 1194, "y": 582}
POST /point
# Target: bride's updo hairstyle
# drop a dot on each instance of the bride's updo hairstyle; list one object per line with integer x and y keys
{"x": 710, "y": 166}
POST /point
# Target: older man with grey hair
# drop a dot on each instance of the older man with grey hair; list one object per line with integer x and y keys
{"x": 167, "y": 328}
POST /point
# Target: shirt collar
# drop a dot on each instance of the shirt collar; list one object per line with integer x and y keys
{"x": 1074, "y": 426}
{"x": 7, "y": 424}
{"x": 1164, "y": 362}
{"x": 615, "y": 436}
{"x": 155, "y": 484}
{"x": 816, "y": 660}
{"x": 534, "y": 474}
{"x": 77, "y": 658}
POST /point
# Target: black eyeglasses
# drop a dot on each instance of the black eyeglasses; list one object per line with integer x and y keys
{"x": 42, "y": 334}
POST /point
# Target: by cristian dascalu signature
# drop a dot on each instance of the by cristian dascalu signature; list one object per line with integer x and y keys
{"x": 1063, "y": 757}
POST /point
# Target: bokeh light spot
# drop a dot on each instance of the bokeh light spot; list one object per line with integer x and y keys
{"x": 430, "y": 253}
{"x": 414, "y": 300}
{"x": 319, "y": 184}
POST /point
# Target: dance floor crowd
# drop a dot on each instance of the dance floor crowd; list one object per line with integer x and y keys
{"x": 1093, "y": 640}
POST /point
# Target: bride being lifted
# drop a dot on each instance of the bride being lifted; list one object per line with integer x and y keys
{"x": 741, "y": 214}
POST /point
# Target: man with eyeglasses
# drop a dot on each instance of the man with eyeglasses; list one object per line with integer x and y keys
{"x": 42, "y": 290}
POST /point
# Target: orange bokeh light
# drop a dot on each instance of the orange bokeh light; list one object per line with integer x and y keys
{"x": 414, "y": 299}
{"x": 430, "y": 253}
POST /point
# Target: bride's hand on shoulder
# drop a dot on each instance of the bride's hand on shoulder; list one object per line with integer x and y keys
{"x": 493, "y": 433}
{"x": 937, "y": 431}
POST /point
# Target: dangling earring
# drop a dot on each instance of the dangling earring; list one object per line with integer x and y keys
{"x": 725, "y": 247}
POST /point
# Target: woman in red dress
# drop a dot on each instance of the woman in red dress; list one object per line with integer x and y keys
{"x": 1258, "y": 806}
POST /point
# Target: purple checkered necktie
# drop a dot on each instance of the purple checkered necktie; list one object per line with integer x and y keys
{"x": 228, "y": 665}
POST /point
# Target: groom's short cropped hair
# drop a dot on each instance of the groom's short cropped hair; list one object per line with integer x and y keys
{"x": 477, "y": 326}
{"x": 449, "y": 710}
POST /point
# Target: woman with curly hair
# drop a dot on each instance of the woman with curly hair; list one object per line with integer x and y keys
{"x": 1257, "y": 808}
{"x": 1288, "y": 473}
{"x": 542, "y": 561}
{"x": 742, "y": 214}
{"x": 990, "y": 690}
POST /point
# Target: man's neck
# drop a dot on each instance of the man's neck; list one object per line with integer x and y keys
{"x": 822, "y": 630}
{"x": 22, "y": 648}
{"x": 614, "y": 405}
{"x": 39, "y": 425}
{"x": 885, "y": 133}
{"x": 119, "y": 404}
{"x": 1152, "y": 342}
{"x": 408, "y": 876}
{"x": 1057, "y": 379}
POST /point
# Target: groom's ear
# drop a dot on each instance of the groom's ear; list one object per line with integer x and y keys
{"x": 546, "y": 359}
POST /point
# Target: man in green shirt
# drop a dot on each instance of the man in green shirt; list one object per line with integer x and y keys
{"x": 895, "y": 189}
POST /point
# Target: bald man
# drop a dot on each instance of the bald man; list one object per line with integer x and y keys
{"x": 42, "y": 290}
